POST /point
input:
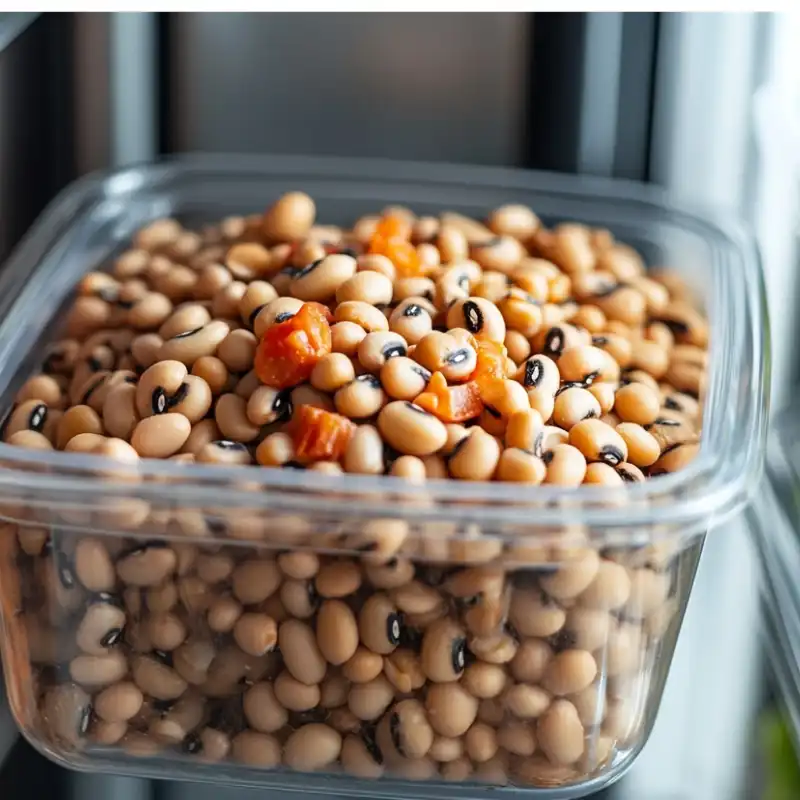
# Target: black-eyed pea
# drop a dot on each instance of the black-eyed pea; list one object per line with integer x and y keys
{"x": 413, "y": 288}
{"x": 157, "y": 386}
{"x": 380, "y": 624}
{"x": 366, "y": 316}
{"x": 248, "y": 260}
{"x": 149, "y": 311}
{"x": 278, "y": 310}
{"x": 443, "y": 653}
{"x": 301, "y": 653}
{"x": 187, "y": 317}
{"x": 560, "y": 734}
{"x": 605, "y": 394}
{"x": 361, "y": 398}
{"x": 532, "y": 613}
{"x": 193, "y": 659}
{"x": 479, "y": 316}
{"x": 569, "y": 672}
{"x": 650, "y": 357}
{"x": 45, "y": 388}
{"x": 517, "y": 346}
{"x": 338, "y": 579}
{"x": 203, "y": 433}
{"x": 374, "y": 262}
{"x": 517, "y": 737}
{"x": 223, "y": 614}
{"x": 675, "y": 458}
{"x": 378, "y": 348}
{"x": 412, "y": 319}
{"x": 403, "y": 378}
{"x": 577, "y": 568}
{"x": 232, "y": 419}
{"x": 364, "y": 453}
{"x": 475, "y": 457}
{"x": 253, "y": 581}
{"x": 87, "y": 314}
{"x": 299, "y": 598}
{"x": 212, "y": 279}
{"x": 451, "y": 709}
{"x": 643, "y": 449}
{"x": 290, "y": 217}
{"x": 255, "y": 633}
{"x": 600, "y": 474}
{"x": 320, "y": 280}
{"x": 295, "y": 695}
{"x": 105, "y": 734}
{"x": 361, "y": 757}
{"x": 624, "y": 303}
{"x": 514, "y": 220}
{"x": 78, "y": 419}
{"x": 369, "y": 700}
{"x": 445, "y": 749}
{"x": 410, "y": 429}
{"x": 566, "y": 465}
{"x": 255, "y": 298}
{"x": 649, "y": 590}
{"x": 312, "y": 747}
{"x": 332, "y": 372}
{"x": 179, "y": 721}
{"x": 484, "y": 680}
{"x": 598, "y": 442}
{"x": 574, "y": 404}
{"x": 337, "y": 631}
{"x": 237, "y": 350}
{"x": 97, "y": 671}
{"x": 100, "y": 628}
{"x": 147, "y": 565}
{"x": 367, "y": 286}
{"x": 481, "y": 742}
{"x": 363, "y": 666}
{"x": 67, "y": 710}
{"x": 192, "y": 345}
{"x": 525, "y": 701}
{"x": 160, "y": 436}
{"x": 682, "y": 403}
{"x": 256, "y": 749}
{"x": 145, "y": 349}
{"x": 531, "y": 661}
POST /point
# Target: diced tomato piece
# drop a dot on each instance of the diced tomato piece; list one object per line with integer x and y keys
{"x": 450, "y": 403}
{"x": 320, "y": 435}
{"x": 288, "y": 351}
{"x": 491, "y": 362}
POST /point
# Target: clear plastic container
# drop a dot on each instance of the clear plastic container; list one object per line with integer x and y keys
{"x": 773, "y": 519}
{"x": 542, "y": 548}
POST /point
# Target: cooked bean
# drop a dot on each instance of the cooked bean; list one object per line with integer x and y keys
{"x": 451, "y": 709}
{"x": 295, "y": 695}
{"x": 160, "y": 436}
{"x": 560, "y": 733}
{"x": 573, "y": 404}
{"x": 479, "y": 316}
{"x": 300, "y": 651}
{"x": 363, "y": 666}
{"x": 256, "y": 749}
{"x": 410, "y": 429}
{"x": 376, "y": 349}
{"x": 232, "y": 418}
{"x": 312, "y": 747}
{"x": 363, "y": 314}
{"x": 337, "y": 631}
{"x": 100, "y": 628}
{"x": 380, "y": 624}
{"x": 255, "y": 633}
{"x": 361, "y": 758}
{"x": 363, "y": 397}
{"x": 95, "y": 671}
{"x": 368, "y": 700}
{"x": 443, "y": 654}
{"x": 93, "y": 565}
{"x": 412, "y": 319}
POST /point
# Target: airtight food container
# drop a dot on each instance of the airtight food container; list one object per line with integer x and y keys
{"x": 566, "y": 602}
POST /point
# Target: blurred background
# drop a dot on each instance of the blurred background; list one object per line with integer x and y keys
{"x": 705, "y": 105}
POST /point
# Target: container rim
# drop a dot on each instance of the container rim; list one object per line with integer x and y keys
{"x": 719, "y": 482}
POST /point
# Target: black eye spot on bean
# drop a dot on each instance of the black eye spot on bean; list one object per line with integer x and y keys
{"x": 283, "y": 316}
{"x": 411, "y": 639}
{"x": 671, "y": 447}
{"x": 611, "y": 455}
{"x": 607, "y": 290}
{"x": 590, "y": 378}
{"x": 538, "y": 443}
{"x": 569, "y": 385}
{"x": 459, "y": 446}
{"x": 85, "y": 721}
{"x": 417, "y": 409}
{"x": 473, "y": 316}
{"x": 293, "y": 465}
{"x": 371, "y": 380}
{"x": 394, "y": 628}
{"x": 92, "y": 389}
{"x": 390, "y": 455}
{"x": 162, "y": 706}
{"x": 150, "y": 544}
{"x": 110, "y": 599}
{"x": 547, "y": 457}
{"x": 216, "y": 527}
{"x": 394, "y": 349}
{"x": 308, "y": 269}
{"x": 180, "y": 395}
{"x": 554, "y": 342}
{"x": 463, "y": 282}
{"x": 677, "y": 327}
{"x": 112, "y": 637}
{"x": 254, "y": 313}
{"x": 126, "y": 305}
{"x": 590, "y": 415}
{"x": 627, "y": 476}
{"x": 348, "y": 251}
{"x": 282, "y": 405}
{"x": 457, "y": 357}
{"x": 670, "y": 423}
{"x": 672, "y": 405}
{"x": 563, "y": 640}
{"x": 227, "y": 444}
{"x": 37, "y": 418}
{"x": 458, "y": 658}
{"x": 163, "y": 657}
{"x": 413, "y": 310}
{"x": 192, "y": 744}
{"x": 394, "y": 732}
{"x": 187, "y": 334}
{"x": 158, "y": 401}
{"x": 94, "y": 364}
{"x": 534, "y": 372}
{"x": 599, "y": 341}
{"x": 131, "y": 379}
{"x": 368, "y": 737}
{"x": 64, "y": 569}
{"x": 422, "y": 372}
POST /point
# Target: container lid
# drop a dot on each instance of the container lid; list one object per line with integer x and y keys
{"x": 718, "y": 482}
{"x": 774, "y": 519}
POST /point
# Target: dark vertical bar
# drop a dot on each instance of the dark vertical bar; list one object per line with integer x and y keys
{"x": 553, "y": 124}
